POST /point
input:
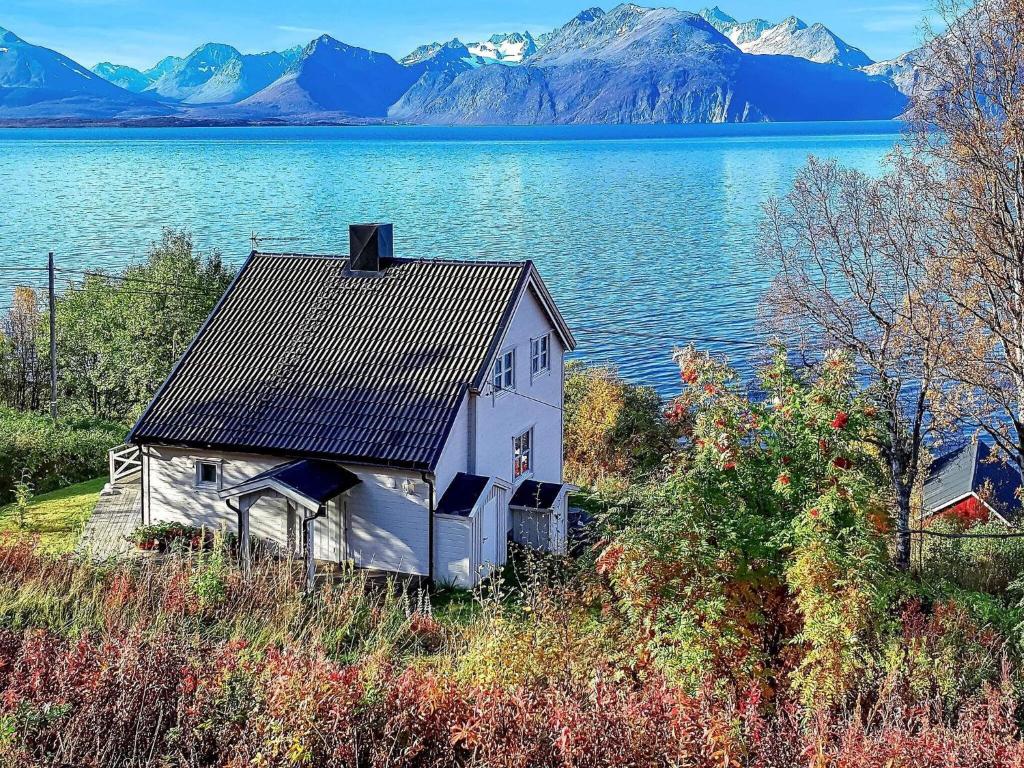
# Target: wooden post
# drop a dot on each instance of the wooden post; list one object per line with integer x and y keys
{"x": 244, "y": 553}
{"x": 53, "y": 340}
{"x": 311, "y": 548}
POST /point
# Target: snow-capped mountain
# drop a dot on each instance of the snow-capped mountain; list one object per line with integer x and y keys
{"x": 631, "y": 64}
{"x": 331, "y": 77}
{"x": 124, "y": 76}
{"x": 37, "y": 83}
{"x": 739, "y": 32}
{"x": 815, "y": 43}
{"x": 217, "y": 73}
{"x": 454, "y": 51}
{"x": 162, "y": 67}
{"x": 510, "y": 48}
{"x": 791, "y": 37}
{"x": 636, "y": 64}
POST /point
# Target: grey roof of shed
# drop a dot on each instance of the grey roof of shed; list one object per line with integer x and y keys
{"x": 535, "y": 495}
{"x": 462, "y": 494}
{"x": 303, "y": 357}
{"x": 972, "y": 469}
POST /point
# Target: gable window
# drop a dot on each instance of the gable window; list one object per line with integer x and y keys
{"x": 207, "y": 474}
{"x": 540, "y": 356}
{"x": 504, "y": 378}
{"x": 522, "y": 454}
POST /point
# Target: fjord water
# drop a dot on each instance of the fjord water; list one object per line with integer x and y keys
{"x": 646, "y": 235}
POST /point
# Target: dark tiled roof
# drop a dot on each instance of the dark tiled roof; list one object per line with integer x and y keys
{"x": 461, "y": 495}
{"x": 973, "y": 468}
{"x": 318, "y": 481}
{"x": 536, "y": 495}
{"x": 303, "y": 357}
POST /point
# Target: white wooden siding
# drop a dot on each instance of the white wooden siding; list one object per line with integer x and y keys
{"x": 172, "y": 495}
{"x": 502, "y": 416}
{"x": 531, "y": 528}
{"x": 455, "y": 454}
{"x": 452, "y": 545}
{"x": 388, "y": 529}
{"x": 545, "y": 530}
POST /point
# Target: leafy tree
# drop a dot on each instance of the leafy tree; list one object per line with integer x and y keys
{"x": 119, "y": 336}
{"x": 613, "y": 429}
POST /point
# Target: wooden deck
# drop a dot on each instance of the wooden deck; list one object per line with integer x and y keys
{"x": 118, "y": 512}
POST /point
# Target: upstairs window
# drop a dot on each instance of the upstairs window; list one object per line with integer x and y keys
{"x": 207, "y": 474}
{"x": 540, "y": 357}
{"x": 522, "y": 454}
{"x": 504, "y": 378}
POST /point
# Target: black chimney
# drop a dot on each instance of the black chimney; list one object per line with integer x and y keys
{"x": 367, "y": 245}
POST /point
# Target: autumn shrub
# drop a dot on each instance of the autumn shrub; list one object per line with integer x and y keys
{"x": 127, "y": 699}
{"x": 198, "y": 592}
{"x": 613, "y": 429}
{"x": 762, "y": 552}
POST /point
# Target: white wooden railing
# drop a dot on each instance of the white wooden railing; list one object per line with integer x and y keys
{"x": 125, "y": 461}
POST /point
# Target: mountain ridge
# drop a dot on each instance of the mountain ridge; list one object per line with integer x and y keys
{"x": 629, "y": 64}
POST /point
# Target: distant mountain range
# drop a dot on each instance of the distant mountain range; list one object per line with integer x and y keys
{"x": 629, "y": 65}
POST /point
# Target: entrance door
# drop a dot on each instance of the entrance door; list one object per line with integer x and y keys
{"x": 331, "y": 532}
{"x": 489, "y": 536}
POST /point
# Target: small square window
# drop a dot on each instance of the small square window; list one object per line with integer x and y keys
{"x": 504, "y": 378}
{"x": 207, "y": 474}
{"x": 522, "y": 454}
{"x": 540, "y": 355}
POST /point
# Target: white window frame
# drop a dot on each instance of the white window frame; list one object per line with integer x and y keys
{"x": 504, "y": 371}
{"x": 516, "y": 452}
{"x": 540, "y": 359}
{"x": 206, "y": 484}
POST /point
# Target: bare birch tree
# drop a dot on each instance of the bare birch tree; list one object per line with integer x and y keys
{"x": 850, "y": 250}
{"x": 968, "y": 142}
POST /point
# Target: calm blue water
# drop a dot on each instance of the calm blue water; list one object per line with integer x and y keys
{"x": 646, "y": 235}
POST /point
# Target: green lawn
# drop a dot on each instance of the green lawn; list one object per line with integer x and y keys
{"x": 56, "y": 517}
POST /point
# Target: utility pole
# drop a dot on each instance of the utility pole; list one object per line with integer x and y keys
{"x": 53, "y": 341}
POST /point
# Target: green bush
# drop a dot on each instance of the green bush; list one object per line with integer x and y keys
{"x": 56, "y": 454}
{"x": 975, "y": 564}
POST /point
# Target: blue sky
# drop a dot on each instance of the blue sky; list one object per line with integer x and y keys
{"x": 139, "y": 32}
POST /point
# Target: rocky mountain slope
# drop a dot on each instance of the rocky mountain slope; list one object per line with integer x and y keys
{"x": 635, "y": 65}
{"x": 333, "y": 78}
{"x": 37, "y": 83}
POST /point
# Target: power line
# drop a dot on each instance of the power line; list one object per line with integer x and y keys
{"x": 527, "y": 397}
{"x": 129, "y": 279}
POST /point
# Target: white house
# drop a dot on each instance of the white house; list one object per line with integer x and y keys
{"x": 402, "y": 414}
